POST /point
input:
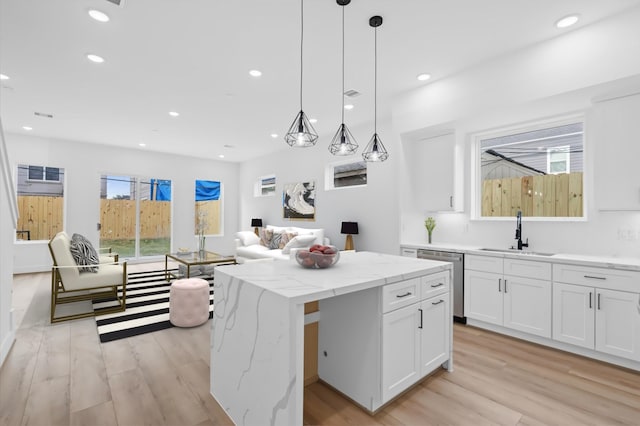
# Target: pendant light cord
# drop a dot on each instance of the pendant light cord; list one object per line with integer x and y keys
{"x": 342, "y": 96}
{"x": 375, "y": 81}
{"x": 301, "y": 43}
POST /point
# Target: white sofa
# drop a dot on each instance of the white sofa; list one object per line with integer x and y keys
{"x": 248, "y": 244}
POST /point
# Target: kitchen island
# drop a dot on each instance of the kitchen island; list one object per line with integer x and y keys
{"x": 387, "y": 317}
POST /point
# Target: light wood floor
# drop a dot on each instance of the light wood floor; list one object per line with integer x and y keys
{"x": 62, "y": 375}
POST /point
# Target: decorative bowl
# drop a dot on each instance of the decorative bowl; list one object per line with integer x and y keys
{"x": 318, "y": 257}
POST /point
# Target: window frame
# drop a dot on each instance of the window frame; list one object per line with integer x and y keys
{"x": 329, "y": 174}
{"x": 476, "y": 139}
{"x": 44, "y": 170}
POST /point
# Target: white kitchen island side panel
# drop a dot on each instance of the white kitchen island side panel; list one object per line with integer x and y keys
{"x": 254, "y": 354}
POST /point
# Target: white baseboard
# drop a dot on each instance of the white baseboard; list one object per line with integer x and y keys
{"x": 6, "y": 345}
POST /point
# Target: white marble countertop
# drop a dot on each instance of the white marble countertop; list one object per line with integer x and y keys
{"x": 355, "y": 271}
{"x": 626, "y": 263}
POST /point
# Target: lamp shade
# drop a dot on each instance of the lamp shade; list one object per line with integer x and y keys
{"x": 349, "y": 228}
{"x": 256, "y": 222}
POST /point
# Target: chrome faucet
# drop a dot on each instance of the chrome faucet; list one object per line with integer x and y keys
{"x": 519, "y": 231}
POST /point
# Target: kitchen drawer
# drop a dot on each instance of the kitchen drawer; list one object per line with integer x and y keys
{"x": 483, "y": 263}
{"x": 612, "y": 279}
{"x": 400, "y": 294}
{"x": 408, "y": 252}
{"x": 434, "y": 284}
{"x": 528, "y": 269}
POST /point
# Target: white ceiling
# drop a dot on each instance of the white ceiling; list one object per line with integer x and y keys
{"x": 193, "y": 56}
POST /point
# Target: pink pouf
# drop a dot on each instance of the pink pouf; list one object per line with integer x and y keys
{"x": 189, "y": 302}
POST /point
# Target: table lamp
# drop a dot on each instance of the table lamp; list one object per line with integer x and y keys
{"x": 256, "y": 223}
{"x": 349, "y": 228}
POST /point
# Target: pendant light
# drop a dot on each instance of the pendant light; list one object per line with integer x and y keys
{"x": 343, "y": 142}
{"x": 375, "y": 150}
{"x": 301, "y": 133}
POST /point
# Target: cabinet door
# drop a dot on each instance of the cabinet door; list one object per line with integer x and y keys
{"x": 618, "y": 323}
{"x": 527, "y": 305}
{"x": 400, "y": 350}
{"x": 573, "y": 314}
{"x": 434, "y": 340}
{"x": 483, "y": 296}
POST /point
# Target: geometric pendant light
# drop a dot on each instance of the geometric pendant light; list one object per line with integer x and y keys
{"x": 301, "y": 133}
{"x": 375, "y": 150}
{"x": 343, "y": 142}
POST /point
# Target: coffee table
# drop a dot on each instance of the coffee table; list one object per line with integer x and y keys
{"x": 194, "y": 258}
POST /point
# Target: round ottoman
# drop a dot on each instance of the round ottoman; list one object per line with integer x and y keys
{"x": 189, "y": 302}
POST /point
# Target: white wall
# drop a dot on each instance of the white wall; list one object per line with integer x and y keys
{"x": 7, "y": 228}
{"x": 84, "y": 164}
{"x": 374, "y": 207}
{"x": 558, "y": 77}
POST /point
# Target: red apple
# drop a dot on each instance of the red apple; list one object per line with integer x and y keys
{"x": 308, "y": 262}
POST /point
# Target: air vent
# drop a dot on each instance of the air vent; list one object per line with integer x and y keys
{"x": 352, "y": 93}
{"x": 43, "y": 114}
{"x": 117, "y": 2}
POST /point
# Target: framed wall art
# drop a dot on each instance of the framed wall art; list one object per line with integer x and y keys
{"x": 299, "y": 201}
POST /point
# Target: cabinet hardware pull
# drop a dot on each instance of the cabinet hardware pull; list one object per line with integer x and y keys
{"x": 499, "y": 285}
{"x": 404, "y": 295}
{"x": 599, "y": 300}
{"x": 438, "y": 302}
{"x": 420, "y": 326}
{"x": 451, "y": 201}
{"x": 590, "y": 298}
{"x": 437, "y": 285}
{"x": 505, "y": 285}
{"x": 595, "y": 278}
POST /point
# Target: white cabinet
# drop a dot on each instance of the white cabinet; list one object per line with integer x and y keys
{"x": 604, "y": 319}
{"x": 375, "y": 343}
{"x": 434, "y": 172}
{"x": 509, "y": 292}
{"x": 617, "y": 155}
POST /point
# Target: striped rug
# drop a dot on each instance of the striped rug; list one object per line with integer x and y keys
{"x": 147, "y": 307}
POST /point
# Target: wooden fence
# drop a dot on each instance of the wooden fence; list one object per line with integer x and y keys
{"x": 118, "y": 219}
{"x": 545, "y": 195}
{"x": 40, "y": 215}
{"x": 211, "y": 214}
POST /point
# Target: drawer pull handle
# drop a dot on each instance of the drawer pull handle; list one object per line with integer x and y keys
{"x": 595, "y": 278}
{"x": 590, "y": 300}
{"x": 505, "y": 285}
{"x": 499, "y": 285}
{"x": 438, "y": 302}
{"x": 598, "y": 301}
{"x": 403, "y": 295}
{"x": 420, "y": 326}
{"x": 437, "y": 285}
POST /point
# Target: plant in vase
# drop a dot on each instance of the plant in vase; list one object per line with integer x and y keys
{"x": 430, "y": 224}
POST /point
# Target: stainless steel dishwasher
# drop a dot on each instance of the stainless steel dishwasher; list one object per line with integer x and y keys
{"x": 458, "y": 277}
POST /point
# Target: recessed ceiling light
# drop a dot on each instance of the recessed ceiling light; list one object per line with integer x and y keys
{"x": 567, "y": 21}
{"x": 174, "y": 114}
{"x": 255, "y": 73}
{"x": 423, "y": 77}
{"x": 98, "y": 16}
{"x": 95, "y": 58}
{"x": 348, "y": 107}
{"x": 4, "y": 77}
{"x": 274, "y": 135}
{"x": 142, "y": 144}
{"x": 27, "y": 128}
{"x": 313, "y": 120}
{"x": 221, "y": 155}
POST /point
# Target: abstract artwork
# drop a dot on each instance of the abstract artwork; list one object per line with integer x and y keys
{"x": 299, "y": 201}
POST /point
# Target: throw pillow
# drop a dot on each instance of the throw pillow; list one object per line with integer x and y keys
{"x": 265, "y": 236}
{"x": 248, "y": 238}
{"x": 280, "y": 239}
{"x": 84, "y": 254}
{"x": 301, "y": 241}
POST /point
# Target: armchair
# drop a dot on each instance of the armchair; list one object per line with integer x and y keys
{"x": 69, "y": 285}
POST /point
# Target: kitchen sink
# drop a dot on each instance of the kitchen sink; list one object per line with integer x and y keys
{"x": 515, "y": 251}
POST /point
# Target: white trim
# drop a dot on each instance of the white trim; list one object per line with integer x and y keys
{"x": 7, "y": 343}
{"x": 9, "y": 184}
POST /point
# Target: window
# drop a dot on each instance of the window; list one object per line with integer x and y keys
{"x": 50, "y": 174}
{"x": 266, "y": 186}
{"x": 40, "y": 202}
{"x": 208, "y": 196}
{"x": 537, "y": 170}
{"x": 346, "y": 174}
